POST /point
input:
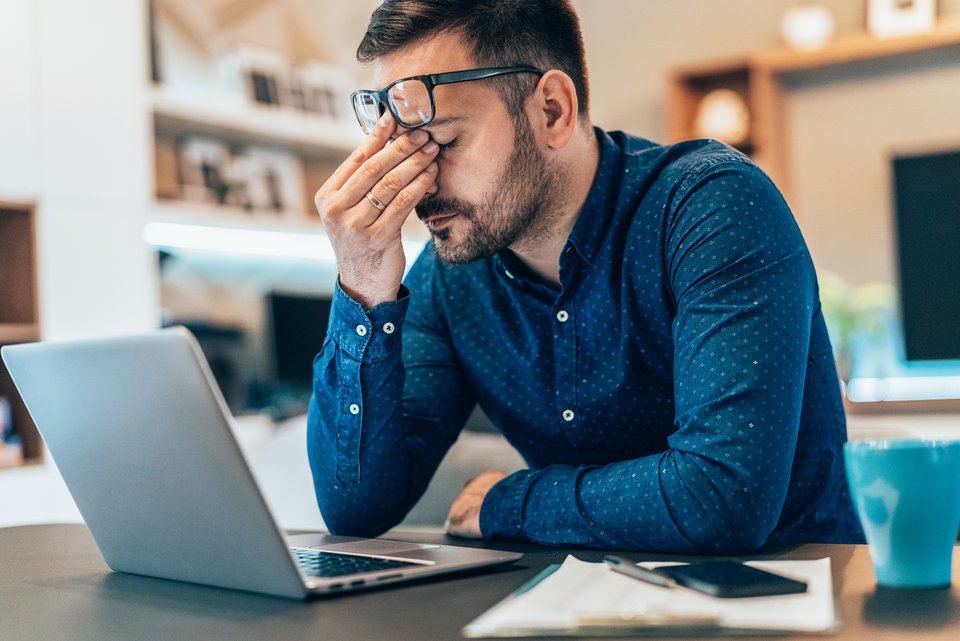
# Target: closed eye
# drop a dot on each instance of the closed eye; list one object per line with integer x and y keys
{"x": 449, "y": 145}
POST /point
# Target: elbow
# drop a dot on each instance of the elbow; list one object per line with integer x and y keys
{"x": 722, "y": 533}
{"x": 343, "y": 524}
{"x": 719, "y": 509}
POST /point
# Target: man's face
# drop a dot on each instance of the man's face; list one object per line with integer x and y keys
{"x": 495, "y": 187}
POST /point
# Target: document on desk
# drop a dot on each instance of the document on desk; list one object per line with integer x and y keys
{"x": 580, "y": 598}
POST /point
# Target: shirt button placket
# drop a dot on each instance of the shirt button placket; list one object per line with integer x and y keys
{"x": 566, "y": 360}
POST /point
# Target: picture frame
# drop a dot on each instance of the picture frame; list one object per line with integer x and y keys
{"x": 268, "y": 180}
{"x": 266, "y": 76}
{"x": 204, "y": 169}
{"x": 322, "y": 90}
{"x": 897, "y": 18}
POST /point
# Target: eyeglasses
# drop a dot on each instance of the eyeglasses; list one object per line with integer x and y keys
{"x": 410, "y": 100}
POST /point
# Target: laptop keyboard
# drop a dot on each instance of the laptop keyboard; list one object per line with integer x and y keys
{"x": 327, "y": 564}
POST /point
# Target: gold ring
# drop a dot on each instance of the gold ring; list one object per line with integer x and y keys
{"x": 376, "y": 203}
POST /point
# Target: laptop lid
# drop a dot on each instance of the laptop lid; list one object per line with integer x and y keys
{"x": 141, "y": 437}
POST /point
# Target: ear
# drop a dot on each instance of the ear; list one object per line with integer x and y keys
{"x": 556, "y": 108}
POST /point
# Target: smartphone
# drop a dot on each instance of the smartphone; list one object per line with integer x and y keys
{"x": 729, "y": 579}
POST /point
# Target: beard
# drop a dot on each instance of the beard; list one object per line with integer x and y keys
{"x": 517, "y": 208}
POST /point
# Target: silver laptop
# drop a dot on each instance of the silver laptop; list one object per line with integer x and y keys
{"x": 142, "y": 437}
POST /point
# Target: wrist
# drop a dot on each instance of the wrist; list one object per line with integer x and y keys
{"x": 368, "y": 299}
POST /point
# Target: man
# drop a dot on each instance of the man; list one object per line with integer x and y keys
{"x": 641, "y": 322}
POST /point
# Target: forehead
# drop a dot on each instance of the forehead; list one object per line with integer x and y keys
{"x": 437, "y": 54}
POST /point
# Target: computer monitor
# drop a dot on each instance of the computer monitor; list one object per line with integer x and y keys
{"x": 927, "y": 219}
{"x": 297, "y": 329}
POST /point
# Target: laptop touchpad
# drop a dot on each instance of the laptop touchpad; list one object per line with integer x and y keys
{"x": 374, "y": 546}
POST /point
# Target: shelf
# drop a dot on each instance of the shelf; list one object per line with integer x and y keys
{"x": 187, "y": 225}
{"x": 18, "y": 333}
{"x": 185, "y": 212}
{"x": 861, "y": 47}
{"x": 243, "y": 124}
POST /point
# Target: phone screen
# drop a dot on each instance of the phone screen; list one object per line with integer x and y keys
{"x": 729, "y": 579}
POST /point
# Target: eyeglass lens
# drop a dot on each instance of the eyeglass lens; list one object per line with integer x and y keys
{"x": 368, "y": 111}
{"x": 409, "y": 101}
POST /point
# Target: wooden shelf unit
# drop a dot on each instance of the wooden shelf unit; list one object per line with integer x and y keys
{"x": 761, "y": 78}
{"x": 19, "y": 318}
{"x": 689, "y": 85}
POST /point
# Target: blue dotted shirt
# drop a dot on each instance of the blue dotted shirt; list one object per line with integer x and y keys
{"x": 677, "y": 393}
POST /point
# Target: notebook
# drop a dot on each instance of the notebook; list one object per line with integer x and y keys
{"x": 143, "y": 440}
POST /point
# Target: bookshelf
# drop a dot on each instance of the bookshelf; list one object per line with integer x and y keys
{"x": 313, "y": 145}
{"x": 19, "y": 319}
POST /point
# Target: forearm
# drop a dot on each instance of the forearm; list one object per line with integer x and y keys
{"x": 671, "y": 502}
{"x": 360, "y": 464}
{"x": 375, "y": 431}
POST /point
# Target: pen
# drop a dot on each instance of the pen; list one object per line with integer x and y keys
{"x": 629, "y": 568}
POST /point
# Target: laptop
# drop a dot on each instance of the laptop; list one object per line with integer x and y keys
{"x": 143, "y": 440}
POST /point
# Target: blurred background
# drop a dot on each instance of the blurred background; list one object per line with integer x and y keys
{"x": 158, "y": 161}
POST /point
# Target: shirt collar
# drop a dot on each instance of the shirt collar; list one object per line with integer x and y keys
{"x": 596, "y": 216}
{"x": 593, "y": 221}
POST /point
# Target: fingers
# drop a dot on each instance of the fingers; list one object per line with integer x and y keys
{"x": 407, "y": 198}
{"x": 464, "y": 518}
{"x": 373, "y": 143}
{"x": 392, "y": 168}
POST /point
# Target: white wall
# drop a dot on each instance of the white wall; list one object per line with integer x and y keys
{"x": 19, "y": 157}
{"x": 93, "y": 168}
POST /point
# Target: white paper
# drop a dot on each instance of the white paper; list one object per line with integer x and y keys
{"x": 579, "y": 589}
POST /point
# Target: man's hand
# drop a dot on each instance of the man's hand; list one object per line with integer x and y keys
{"x": 365, "y": 237}
{"x": 464, "y": 517}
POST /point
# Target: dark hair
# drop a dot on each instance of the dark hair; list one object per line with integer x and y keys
{"x": 500, "y": 33}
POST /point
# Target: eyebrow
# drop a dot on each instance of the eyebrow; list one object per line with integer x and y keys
{"x": 440, "y": 122}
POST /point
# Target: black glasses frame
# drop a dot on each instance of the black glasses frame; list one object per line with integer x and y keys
{"x": 430, "y": 81}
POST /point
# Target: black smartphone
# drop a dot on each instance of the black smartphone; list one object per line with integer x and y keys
{"x": 729, "y": 579}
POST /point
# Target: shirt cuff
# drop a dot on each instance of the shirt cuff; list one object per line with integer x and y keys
{"x": 501, "y": 515}
{"x": 367, "y": 335}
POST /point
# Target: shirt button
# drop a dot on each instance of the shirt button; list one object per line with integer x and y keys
{"x": 568, "y": 415}
{"x": 361, "y": 330}
{"x": 354, "y": 409}
{"x": 509, "y": 275}
{"x": 388, "y": 328}
{"x": 562, "y": 316}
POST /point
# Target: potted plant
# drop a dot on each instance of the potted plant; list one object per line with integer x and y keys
{"x": 852, "y": 310}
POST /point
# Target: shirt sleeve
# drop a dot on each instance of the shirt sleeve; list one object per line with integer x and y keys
{"x": 375, "y": 430}
{"x": 745, "y": 293}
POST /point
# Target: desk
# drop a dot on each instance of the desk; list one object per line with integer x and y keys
{"x": 54, "y": 585}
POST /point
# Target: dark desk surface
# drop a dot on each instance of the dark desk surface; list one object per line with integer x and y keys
{"x": 54, "y": 585}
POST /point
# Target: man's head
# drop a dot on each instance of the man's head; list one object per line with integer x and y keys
{"x": 498, "y": 33}
{"x": 502, "y": 168}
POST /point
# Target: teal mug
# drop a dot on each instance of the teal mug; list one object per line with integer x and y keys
{"x": 907, "y": 495}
